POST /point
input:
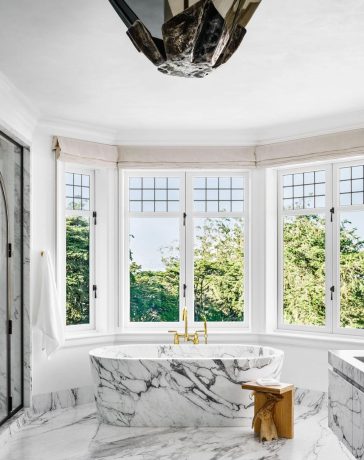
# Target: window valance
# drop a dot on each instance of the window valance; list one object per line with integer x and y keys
{"x": 320, "y": 148}
{"x": 84, "y": 152}
{"x": 186, "y": 157}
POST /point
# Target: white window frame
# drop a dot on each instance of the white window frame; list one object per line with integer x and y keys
{"x": 328, "y": 246}
{"x": 186, "y": 245}
{"x": 63, "y": 213}
{"x": 337, "y": 329}
{"x": 332, "y": 324}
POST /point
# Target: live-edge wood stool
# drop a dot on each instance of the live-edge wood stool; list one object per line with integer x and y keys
{"x": 283, "y": 410}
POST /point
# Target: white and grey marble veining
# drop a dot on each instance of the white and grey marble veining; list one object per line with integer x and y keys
{"x": 15, "y": 424}
{"x": 62, "y": 399}
{"x": 346, "y": 399}
{"x": 358, "y": 424}
{"x": 340, "y": 409}
{"x": 179, "y": 385}
{"x": 346, "y": 363}
{"x": 76, "y": 434}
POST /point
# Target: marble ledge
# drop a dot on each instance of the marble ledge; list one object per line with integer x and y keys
{"x": 345, "y": 362}
{"x": 62, "y": 399}
{"x": 15, "y": 424}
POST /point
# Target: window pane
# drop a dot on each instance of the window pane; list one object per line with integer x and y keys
{"x": 77, "y": 179}
{"x": 351, "y": 186}
{"x": 154, "y": 269}
{"x": 352, "y": 269}
{"x": 218, "y": 194}
{"x": 304, "y": 270}
{"x": 304, "y": 188}
{"x": 219, "y": 269}
{"x": 77, "y": 270}
{"x": 78, "y": 196}
{"x": 69, "y": 179}
{"x": 149, "y": 192}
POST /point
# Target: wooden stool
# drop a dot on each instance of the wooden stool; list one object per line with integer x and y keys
{"x": 279, "y": 400}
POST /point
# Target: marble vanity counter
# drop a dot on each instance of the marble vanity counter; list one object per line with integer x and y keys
{"x": 347, "y": 364}
{"x": 346, "y": 398}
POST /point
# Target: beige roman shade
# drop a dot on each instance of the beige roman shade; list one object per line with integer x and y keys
{"x": 85, "y": 153}
{"x": 186, "y": 157}
{"x": 319, "y": 148}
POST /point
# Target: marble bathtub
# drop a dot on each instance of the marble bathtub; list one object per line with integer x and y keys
{"x": 179, "y": 385}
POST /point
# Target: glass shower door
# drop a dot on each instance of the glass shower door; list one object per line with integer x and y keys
{"x": 4, "y": 338}
{"x": 11, "y": 277}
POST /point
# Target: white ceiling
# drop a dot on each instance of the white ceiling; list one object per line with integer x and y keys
{"x": 299, "y": 71}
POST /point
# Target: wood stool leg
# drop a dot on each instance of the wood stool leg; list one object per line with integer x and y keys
{"x": 283, "y": 413}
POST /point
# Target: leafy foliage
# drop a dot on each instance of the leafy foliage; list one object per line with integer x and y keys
{"x": 304, "y": 272}
{"x": 219, "y": 274}
{"x": 351, "y": 277}
{"x": 154, "y": 295}
{"x": 219, "y": 270}
{"x": 77, "y": 269}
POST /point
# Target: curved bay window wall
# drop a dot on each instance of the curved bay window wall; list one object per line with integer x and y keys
{"x": 11, "y": 273}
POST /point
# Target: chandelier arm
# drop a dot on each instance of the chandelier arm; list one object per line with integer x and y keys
{"x": 125, "y": 13}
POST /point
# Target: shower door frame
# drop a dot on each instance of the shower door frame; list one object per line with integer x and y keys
{"x": 12, "y": 411}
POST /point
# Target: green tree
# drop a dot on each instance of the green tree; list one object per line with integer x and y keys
{"x": 304, "y": 272}
{"x": 219, "y": 275}
{"x": 219, "y": 270}
{"x": 351, "y": 277}
{"x": 77, "y": 271}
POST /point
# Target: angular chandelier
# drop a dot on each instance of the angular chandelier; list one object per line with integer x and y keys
{"x": 186, "y": 38}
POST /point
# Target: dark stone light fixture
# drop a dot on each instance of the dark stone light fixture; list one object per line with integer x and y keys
{"x": 196, "y": 36}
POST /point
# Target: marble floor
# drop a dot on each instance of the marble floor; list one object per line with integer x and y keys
{"x": 75, "y": 434}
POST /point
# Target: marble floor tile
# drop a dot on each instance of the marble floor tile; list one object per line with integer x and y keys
{"x": 75, "y": 434}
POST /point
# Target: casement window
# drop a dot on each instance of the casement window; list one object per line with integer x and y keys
{"x": 79, "y": 249}
{"x": 321, "y": 248}
{"x": 185, "y": 244}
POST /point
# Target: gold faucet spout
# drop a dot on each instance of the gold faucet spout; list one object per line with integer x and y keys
{"x": 185, "y": 319}
{"x": 194, "y": 338}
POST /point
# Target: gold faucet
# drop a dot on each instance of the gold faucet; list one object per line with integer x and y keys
{"x": 194, "y": 338}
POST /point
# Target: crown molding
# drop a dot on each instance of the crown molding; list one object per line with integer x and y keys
{"x": 202, "y": 138}
{"x": 18, "y": 116}
{"x": 77, "y": 130}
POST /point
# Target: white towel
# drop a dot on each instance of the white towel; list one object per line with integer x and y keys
{"x": 48, "y": 317}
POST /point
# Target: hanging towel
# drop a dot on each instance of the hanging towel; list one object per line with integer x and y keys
{"x": 48, "y": 318}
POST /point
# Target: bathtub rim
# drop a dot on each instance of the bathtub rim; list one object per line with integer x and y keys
{"x": 93, "y": 353}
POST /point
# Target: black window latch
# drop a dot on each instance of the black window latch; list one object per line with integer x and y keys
{"x": 332, "y": 290}
{"x": 332, "y": 211}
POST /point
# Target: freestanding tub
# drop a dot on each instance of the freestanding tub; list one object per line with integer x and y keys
{"x": 179, "y": 385}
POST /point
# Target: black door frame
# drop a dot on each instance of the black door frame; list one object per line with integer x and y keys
{"x": 12, "y": 411}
